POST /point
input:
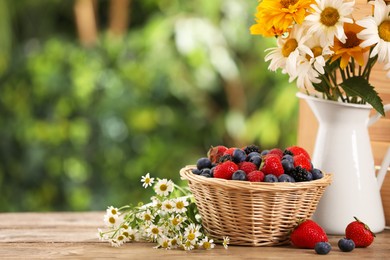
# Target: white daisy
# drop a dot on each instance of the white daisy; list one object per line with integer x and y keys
{"x": 146, "y": 216}
{"x": 164, "y": 242}
{"x": 129, "y": 232}
{"x": 207, "y": 243}
{"x": 112, "y": 211}
{"x": 175, "y": 242}
{"x": 226, "y": 241}
{"x": 180, "y": 205}
{"x": 187, "y": 245}
{"x": 177, "y": 221}
{"x": 147, "y": 181}
{"x": 163, "y": 187}
{"x": 284, "y": 56}
{"x": 168, "y": 206}
{"x": 111, "y": 220}
{"x": 192, "y": 233}
{"x": 327, "y": 20}
{"x": 154, "y": 231}
{"x": 377, "y": 31}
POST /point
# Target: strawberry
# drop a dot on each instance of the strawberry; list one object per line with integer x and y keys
{"x": 225, "y": 170}
{"x": 216, "y": 152}
{"x": 247, "y": 167}
{"x": 360, "y": 233}
{"x": 276, "y": 151}
{"x": 296, "y": 150}
{"x": 272, "y": 165}
{"x": 303, "y": 161}
{"x": 255, "y": 176}
{"x": 307, "y": 234}
{"x": 229, "y": 151}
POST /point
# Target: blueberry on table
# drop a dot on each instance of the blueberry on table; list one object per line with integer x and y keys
{"x": 322, "y": 248}
{"x": 346, "y": 245}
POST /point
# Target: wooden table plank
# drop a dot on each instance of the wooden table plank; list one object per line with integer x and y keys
{"x": 74, "y": 236}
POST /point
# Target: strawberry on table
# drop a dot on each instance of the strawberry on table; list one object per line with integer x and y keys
{"x": 360, "y": 233}
{"x": 307, "y": 234}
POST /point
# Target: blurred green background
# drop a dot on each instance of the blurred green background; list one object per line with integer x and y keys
{"x": 94, "y": 94}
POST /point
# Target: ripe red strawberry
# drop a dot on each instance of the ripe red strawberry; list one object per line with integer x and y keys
{"x": 307, "y": 233}
{"x": 216, "y": 152}
{"x": 247, "y": 167}
{"x": 360, "y": 233}
{"x": 225, "y": 170}
{"x": 276, "y": 151}
{"x": 230, "y": 151}
{"x": 296, "y": 150}
{"x": 272, "y": 165}
{"x": 303, "y": 161}
{"x": 255, "y": 176}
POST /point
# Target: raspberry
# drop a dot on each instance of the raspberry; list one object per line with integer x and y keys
{"x": 296, "y": 150}
{"x": 272, "y": 165}
{"x": 247, "y": 167}
{"x": 255, "y": 176}
{"x": 303, "y": 161}
{"x": 225, "y": 170}
{"x": 216, "y": 152}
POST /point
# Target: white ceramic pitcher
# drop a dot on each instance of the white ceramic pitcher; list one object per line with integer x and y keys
{"x": 343, "y": 148}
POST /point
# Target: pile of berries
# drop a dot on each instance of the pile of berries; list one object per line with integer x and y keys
{"x": 292, "y": 164}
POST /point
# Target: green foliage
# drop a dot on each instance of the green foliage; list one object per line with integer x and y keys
{"x": 80, "y": 126}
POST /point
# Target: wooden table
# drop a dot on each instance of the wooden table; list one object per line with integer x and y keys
{"x": 74, "y": 236}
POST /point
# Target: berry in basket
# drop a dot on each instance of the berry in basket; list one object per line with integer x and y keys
{"x": 292, "y": 164}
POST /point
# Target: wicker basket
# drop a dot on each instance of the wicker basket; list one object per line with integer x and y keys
{"x": 250, "y": 213}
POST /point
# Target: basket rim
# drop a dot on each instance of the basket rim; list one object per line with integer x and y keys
{"x": 186, "y": 174}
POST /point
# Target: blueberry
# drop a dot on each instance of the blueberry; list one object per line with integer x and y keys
{"x": 317, "y": 174}
{"x": 239, "y": 175}
{"x": 256, "y": 160}
{"x": 285, "y": 178}
{"x": 270, "y": 178}
{"x": 206, "y": 172}
{"x": 203, "y": 162}
{"x": 239, "y": 155}
{"x": 346, "y": 245}
{"x": 288, "y": 157}
{"x": 196, "y": 171}
{"x": 322, "y": 248}
{"x": 250, "y": 155}
{"x": 264, "y": 152}
{"x": 288, "y": 165}
{"x": 309, "y": 176}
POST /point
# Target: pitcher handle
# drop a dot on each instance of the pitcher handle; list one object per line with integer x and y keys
{"x": 376, "y": 117}
{"x": 384, "y": 168}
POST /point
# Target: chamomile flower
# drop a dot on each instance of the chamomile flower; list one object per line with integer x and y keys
{"x": 112, "y": 211}
{"x": 226, "y": 241}
{"x": 175, "y": 242}
{"x": 168, "y": 206}
{"x": 192, "y": 233}
{"x": 188, "y": 245}
{"x": 118, "y": 241}
{"x": 328, "y": 18}
{"x": 377, "y": 31}
{"x": 111, "y": 220}
{"x": 154, "y": 231}
{"x": 164, "y": 242}
{"x": 129, "y": 232}
{"x": 284, "y": 56}
{"x": 180, "y": 205}
{"x": 147, "y": 180}
{"x": 207, "y": 243}
{"x": 146, "y": 216}
{"x": 163, "y": 187}
{"x": 176, "y": 221}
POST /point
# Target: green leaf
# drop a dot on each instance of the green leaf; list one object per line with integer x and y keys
{"x": 359, "y": 86}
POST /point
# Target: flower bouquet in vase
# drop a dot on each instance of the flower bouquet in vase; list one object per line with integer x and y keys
{"x": 330, "y": 55}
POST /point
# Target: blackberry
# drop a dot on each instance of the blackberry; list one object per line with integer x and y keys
{"x": 300, "y": 174}
{"x": 288, "y": 152}
{"x": 251, "y": 148}
{"x": 225, "y": 158}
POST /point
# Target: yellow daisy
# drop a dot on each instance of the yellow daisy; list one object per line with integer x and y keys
{"x": 276, "y": 17}
{"x": 351, "y": 48}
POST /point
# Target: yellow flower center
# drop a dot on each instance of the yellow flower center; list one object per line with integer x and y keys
{"x": 163, "y": 187}
{"x": 165, "y": 244}
{"x": 317, "y": 51}
{"x": 384, "y": 30}
{"x": 175, "y": 221}
{"x": 147, "y": 217}
{"x": 289, "y": 46}
{"x": 126, "y": 234}
{"x": 179, "y": 205}
{"x": 168, "y": 206}
{"x": 120, "y": 238}
{"x": 206, "y": 245}
{"x": 191, "y": 236}
{"x": 113, "y": 211}
{"x": 111, "y": 220}
{"x": 155, "y": 231}
{"x": 287, "y": 3}
{"x": 330, "y": 16}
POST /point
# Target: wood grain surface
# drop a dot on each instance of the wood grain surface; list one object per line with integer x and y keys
{"x": 74, "y": 236}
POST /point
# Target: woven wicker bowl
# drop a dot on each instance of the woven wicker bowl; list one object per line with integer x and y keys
{"x": 250, "y": 213}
